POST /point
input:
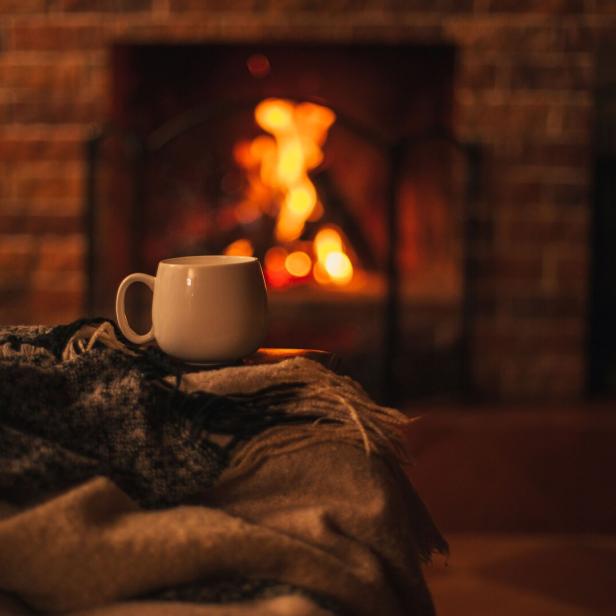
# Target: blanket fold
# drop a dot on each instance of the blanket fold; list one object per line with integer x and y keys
{"x": 128, "y": 479}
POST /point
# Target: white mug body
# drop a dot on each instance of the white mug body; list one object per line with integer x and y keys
{"x": 206, "y": 308}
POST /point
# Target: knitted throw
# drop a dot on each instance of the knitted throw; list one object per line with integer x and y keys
{"x": 79, "y": 401}
{"x": 109, "y": 412}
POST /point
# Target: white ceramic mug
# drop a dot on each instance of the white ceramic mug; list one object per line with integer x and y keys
{"x": 204, "y": 309}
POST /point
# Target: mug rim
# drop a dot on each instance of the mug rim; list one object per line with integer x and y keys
{"x": 207, "y": 260}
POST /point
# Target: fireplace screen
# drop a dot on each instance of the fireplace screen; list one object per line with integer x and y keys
{"x": 335, "y": 165}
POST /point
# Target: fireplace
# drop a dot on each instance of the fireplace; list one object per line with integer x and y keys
{"x": 336, "y": 165}
{"x": 523, "y": 82}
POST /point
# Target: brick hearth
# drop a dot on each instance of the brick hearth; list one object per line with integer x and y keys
{"x": 524, "y": 91}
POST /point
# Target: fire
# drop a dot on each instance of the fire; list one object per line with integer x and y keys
{"x": 326, "y": 241}
{"x": 298, "y": 131}
{"x": 339, "y": 268}
{"x": 298, "y": 264}
{"x": 275, "y": 266}
{"x": 333, "y": 264}
{"x": 240, "y": 248}
{"x": 277, "y": 166}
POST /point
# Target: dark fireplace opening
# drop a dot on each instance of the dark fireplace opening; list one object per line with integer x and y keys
{"x": 336, "y": 165}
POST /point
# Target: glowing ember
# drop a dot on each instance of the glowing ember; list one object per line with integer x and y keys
{"x": 278, "y": 185}
{"x": 333, "y": 264}
{"x": 240, "y": 248}
{"x": 339, "y": 268}
{"x": 258, "y": 65}
{"x": 275, "y": 270}
{"x": 327, "y": 240}
{"x": 275, "y": 258}
{"x": 298, "y": 264}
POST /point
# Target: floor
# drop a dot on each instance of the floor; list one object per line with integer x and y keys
{"x": 526, "y": 500}
{"x": 525, "y": 574}
{"x": 535, "y": 470}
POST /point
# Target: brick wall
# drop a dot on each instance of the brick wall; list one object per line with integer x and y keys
{"x": 524, "y": 91}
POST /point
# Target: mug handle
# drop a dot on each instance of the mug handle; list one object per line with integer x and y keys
{"x": 120, "y": 307}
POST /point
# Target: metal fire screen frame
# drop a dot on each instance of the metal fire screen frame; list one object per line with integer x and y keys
{"x": 396, "y": 148}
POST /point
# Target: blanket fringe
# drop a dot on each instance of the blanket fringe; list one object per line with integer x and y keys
{"x": 354, "y": 420}
{"x": 328, "y": 407}
{"x": 27, "y": 350}
{"x": 84, "y": 339}
{"x": 344, "y": 412}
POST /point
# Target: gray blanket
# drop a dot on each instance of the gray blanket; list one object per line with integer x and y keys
{"x": 89, "y": 423}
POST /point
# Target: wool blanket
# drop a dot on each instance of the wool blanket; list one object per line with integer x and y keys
{"x": 130, "y": 484}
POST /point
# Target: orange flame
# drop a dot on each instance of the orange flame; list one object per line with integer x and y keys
{"x": 240, "y": 248}
{"x": 298, "y": 132}
{"x": 333, "y": 265}
{"x": 298, "y": 264}
{"x": 275, "y": 270}
{"x": 277, "y": 166}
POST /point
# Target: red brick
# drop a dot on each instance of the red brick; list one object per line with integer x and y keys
{"x": 62, "y": 76}
{"x": 560, "y": 336}
{"x": 527, "y": 192}
{"x": 46, "y": 208}
{"x": 17, "y": 259}
{"x": 492, "y": 292}
{"x": 51, "y": 306}
{"x": 37, "y": 181}
{"x": 31, "y": 188}
{"x": 557, "y": 340}
{"x": 531, "y": 378}
{"x": 572, "y": 274}
{"x": 570, "y": 76}
{"x": 548, "y": 7}
{"x": 605, "y": 7}
{"x": 423, "y": 6}
{"x": 57, "y": 280}
{"x": 105, "y": 6}
{"x": 23, "y": 6}
{"x": 14, "y": 306}
{"x": 61, "y": 252}
{"x": 566, "y": 194}
{"x": 546, "y": 173}
{"x": 505, "y": 119}
{"x": 429, "y": 32}
{"x": 507, "y": 268}
{"x": 540, "y": 306}
{"x": 22, "y": 243}
{"x": 577, "y": 118}
{"x": 490, "y": 34}
{"x": 57, "y": 37}
{"x": 7, "y": 100}
{"x": 17, "y": 148}
{"x": 477, "y": 74}
{"x": 215, "y": 5}
{"x": 323, "y": 6}
{"x": 578, "y": 35}
{"x": 38, "y": 224}
{"x": 557, "y": 154}
{"x": 60, "y": 111}
{"x": 521, "y": 230}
